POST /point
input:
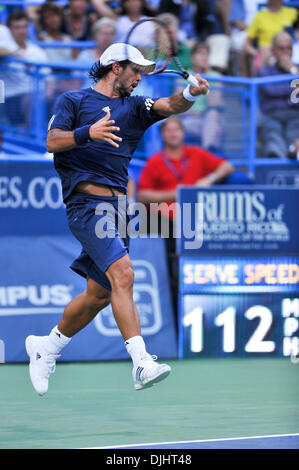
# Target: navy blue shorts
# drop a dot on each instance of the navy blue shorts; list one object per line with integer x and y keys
{"x": 99, "y": 224}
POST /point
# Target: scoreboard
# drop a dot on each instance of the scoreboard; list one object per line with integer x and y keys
{"x": 239, "y": 302}
{"x": 239, "y": 307}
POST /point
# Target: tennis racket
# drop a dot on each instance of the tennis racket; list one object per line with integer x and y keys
{"x": 155, "y": 41}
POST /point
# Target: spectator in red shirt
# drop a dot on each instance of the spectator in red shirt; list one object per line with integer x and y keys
{"x": 178, "y": 164}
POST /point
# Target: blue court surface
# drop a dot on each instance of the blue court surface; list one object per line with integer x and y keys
{"x": 282, "y": 441}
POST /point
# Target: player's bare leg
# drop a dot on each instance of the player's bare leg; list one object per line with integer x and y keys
{"x": 83, "y": 308}
{"x": 44, "y": 350}
{"x": 121, "y": 277}
{"x": 146, "y": 372}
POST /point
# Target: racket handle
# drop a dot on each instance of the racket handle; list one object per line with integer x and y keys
{"x": 192, "y": 80}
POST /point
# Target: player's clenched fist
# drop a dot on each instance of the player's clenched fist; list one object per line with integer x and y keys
{"x": 103, "y": 130}
{"x": 203, "y": 87}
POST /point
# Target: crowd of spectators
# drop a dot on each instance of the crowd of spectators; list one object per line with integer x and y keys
{"x": 234, "y": 31}
{"x": 216, "y": 37}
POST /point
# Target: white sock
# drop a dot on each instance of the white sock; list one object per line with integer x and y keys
{"x": 56, "y": 341}
{"x": 136, "y": 348}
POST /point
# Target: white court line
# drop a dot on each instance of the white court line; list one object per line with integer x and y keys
{"x": 29, "y": 311}
{"x": 186, "y": 442}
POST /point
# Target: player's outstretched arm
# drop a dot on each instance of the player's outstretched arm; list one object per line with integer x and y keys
{"x": 59, "y": 140}
{"x": 177, "y": 103}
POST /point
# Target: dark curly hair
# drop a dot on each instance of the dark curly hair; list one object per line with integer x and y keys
{"x": 98, "y": 71}
{"x": 49, "y": 8}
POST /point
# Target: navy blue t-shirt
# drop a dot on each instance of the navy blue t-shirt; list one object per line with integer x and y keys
{"x": 100, "y": 162}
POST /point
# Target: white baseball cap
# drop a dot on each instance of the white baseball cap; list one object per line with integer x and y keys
{"x": 121, "y": 51}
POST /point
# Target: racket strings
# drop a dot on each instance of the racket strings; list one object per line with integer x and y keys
{"x": 156, "y": 47}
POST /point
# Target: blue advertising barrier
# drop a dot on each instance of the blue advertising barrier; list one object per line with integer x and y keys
{"x": 31, "y": 199}
{"x": 278, "y": 175}
{"x": 36, "y": 250}
{"x": 247, "y": 220}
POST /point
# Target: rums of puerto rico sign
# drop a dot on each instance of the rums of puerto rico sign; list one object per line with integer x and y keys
{"x": 242, "y": 219}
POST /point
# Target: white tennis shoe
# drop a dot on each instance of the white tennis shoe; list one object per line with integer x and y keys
{"x": 42, "y": 364}
{"x": 148, "y": 372}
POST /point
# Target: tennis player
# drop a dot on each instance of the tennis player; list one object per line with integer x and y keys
{"x": 93, "y": 136}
